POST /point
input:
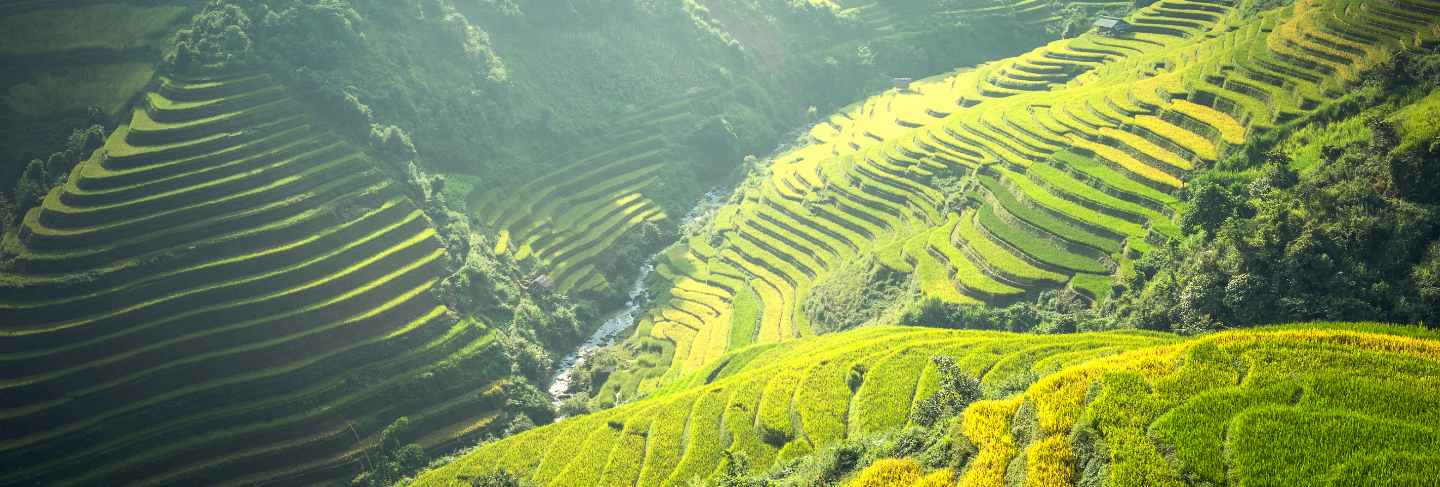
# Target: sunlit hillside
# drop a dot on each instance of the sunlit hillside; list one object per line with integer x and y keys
{"x": 1280, "y": 406}
{"x": 719, "y": 243}
{"x": 224, "y": 270}
{"x": 777, "y": 404}
{"x": 1047, "y": 170}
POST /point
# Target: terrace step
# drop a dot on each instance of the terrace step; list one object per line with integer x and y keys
{"x": 203, "y": 299}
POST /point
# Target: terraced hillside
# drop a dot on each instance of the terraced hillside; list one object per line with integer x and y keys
{"x": 1302, "y": 406}
{"x": 227, "y": 293}
{"x": 1042, "y": 171}
{"x": 646, "y": 164}
{"x": 568, "y": 219}
{"x": 1288, "y": 405}
{"x": 64, "y": 57}
{"x": 777, "y": 403}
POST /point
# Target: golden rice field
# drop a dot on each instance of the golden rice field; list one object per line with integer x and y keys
{"x": 1069, "y": 158}
{"x": 1286, "y": 405}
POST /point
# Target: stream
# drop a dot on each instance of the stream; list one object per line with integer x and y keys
{"x": 625, "y": 317}
{"x": 604, "y": 336}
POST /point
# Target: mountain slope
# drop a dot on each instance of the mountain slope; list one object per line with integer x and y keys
{"x": 1038, "y": 172}
{"x": 1097, "y": 409}
{"x": 226, "y": 293}
{"x": 64, "y": 58}
{"x": 776, "y": 404}
{"x": 1311, "y": 405}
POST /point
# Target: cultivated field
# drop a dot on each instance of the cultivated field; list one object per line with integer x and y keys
{"x": 1068, "y": 159}
{"x": 225, "y": 293}
{"x": 1284, "y": 405}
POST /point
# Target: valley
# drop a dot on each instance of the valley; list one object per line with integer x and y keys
{"x": 504, "y": 243}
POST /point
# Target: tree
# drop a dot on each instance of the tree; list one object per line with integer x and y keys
{"x": 957, "y": 390}
{"x": 392, "y": 144}
{"x": 498, "y": 478}
{"x": 31, "y": 188}
{"x": 1210, "y": 204}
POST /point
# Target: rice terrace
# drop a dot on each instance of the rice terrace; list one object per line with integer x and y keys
{"x": 726, "y": 243}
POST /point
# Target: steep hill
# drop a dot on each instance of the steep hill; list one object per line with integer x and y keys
{"x": 1044, "y": 171}
{"x": 63, "y": 58}
{"x": 1274, "y": 406}
{"x": 778, "y": 403}
{"x": 228, "y": 293}
{"x": 676, "y": 116}
{"x": 1308, "y": 405}
{"x": 235, "y": 236}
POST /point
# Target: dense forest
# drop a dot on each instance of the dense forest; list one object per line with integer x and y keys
{"x": 719, "y": 242}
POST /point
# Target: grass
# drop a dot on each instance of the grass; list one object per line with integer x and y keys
{"x": 1095, "y": 285}
{"x": 1114, "y": 179}
{"x": 1226, "y": 404}
{"x": 1079, "y": 189}
{"x": 1417, "y": 121}
{"x": 103, "y": 26}
{"x": 1231, "y": 131}
{"x": 107, "y": 86}
{"x": 967, "y": 273}
{"x": 1037, "y": 194}
{"x": 1039, "y": 219}
{"x": 969, "y": 233}
{"x": 744, "y": 317}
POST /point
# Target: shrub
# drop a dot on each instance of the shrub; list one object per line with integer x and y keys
{"x": 498, "y": 478}
{"x": 392, "y": 143}
{"x": 957, "y": 391}
{"x": 857, "y": 292}
{"x": 218, "y": 36}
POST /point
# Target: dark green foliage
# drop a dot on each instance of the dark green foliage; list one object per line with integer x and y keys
{"x": 1353, "y": 239}
{"x": 1210, "y": 205}
{"x": 1415, "y": 171}
{"x": 735, "y": 472}
{"x": 951, "y": 448}
{"x": 853, "y": 295}
{"x": 7, "y": 213}
{"x": 957, "y": 390}
{"x": 390, "y": 459}
{"x": 392, "y": 144}
{"x": 1060, "y": 310}
{"x": 524, "y": 399}
{"x": 498, "y": 478}
{"x": 219, "y": 36}
{"x": 322, "y": 34}
{"x": 31, "y": 188}
{"x": 1336, "y": 245}
{"x": 40, "y": 176}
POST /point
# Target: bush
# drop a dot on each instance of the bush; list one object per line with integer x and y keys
{"x": 957, "y": 390}
{"x": 217, "y": 37}
{"x": 857, "y": 292}
{"x": 498, "y": 478}
{"x": 392, "y": 144}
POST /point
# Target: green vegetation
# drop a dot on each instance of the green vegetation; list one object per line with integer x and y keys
{"x": 1272, "y": 245}
{"x": 114, "y": 26}
{"x": 72, "y": 66}
{"x": 718, "y": 416}
{"x": 1066, "y": 174}
{"x": 320, "y": 242}
{"x": 227, "y": 283}
{"x": 107, "y": 86}
{"x": 1096, "y": 408}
